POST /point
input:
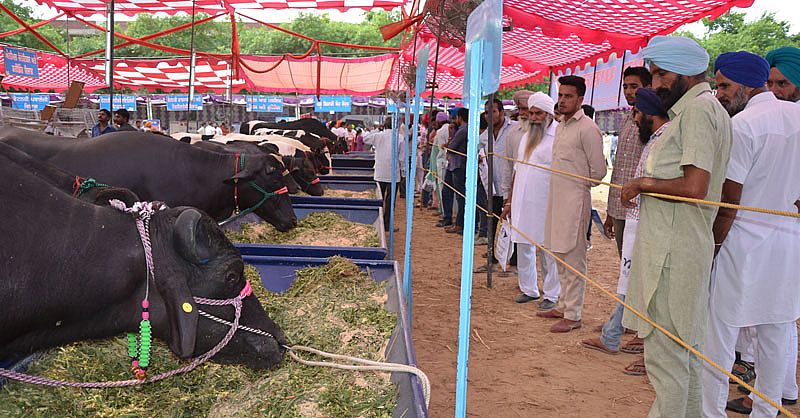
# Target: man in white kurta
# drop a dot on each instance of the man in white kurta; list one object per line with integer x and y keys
{"x": 528, "y": 205}
{"x": 754, "y": 282}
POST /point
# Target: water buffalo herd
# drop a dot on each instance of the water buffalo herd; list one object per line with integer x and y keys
{"x": 74, "y": 267}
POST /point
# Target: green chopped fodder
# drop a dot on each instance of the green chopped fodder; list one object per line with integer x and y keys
{"x": 335, "y": 308}
{"x": 318, "y": 229}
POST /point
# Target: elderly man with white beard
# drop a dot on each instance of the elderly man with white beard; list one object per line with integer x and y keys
{"x": 527, "y": 203}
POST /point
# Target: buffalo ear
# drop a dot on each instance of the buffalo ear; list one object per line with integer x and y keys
{"x": 186, "y": 236}
{"x": 253, "y": 165}
{"x": 173, "y": 284}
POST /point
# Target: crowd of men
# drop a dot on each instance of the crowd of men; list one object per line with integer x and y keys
{"x": 121, "y": 122}
{"x": 723, "y": 281}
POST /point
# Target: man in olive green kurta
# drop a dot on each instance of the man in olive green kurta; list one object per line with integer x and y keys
{"x": 674, "y": 246}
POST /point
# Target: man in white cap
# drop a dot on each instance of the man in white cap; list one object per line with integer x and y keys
{"x": 527, "y": 203}
{"x": 754, "y": 281}
{"x": 674, "y": 244}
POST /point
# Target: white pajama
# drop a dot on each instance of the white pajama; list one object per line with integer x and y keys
{"x": 746, "y": 347}
{"x": 771, "y": 357}
{"x": 528, "y": 277}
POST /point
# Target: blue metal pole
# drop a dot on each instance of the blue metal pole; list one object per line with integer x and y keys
{"x": 410, "y": 209}
{"x": 395, "y": 128}
{"x": 467, "y": 248}
{"x": 405, "y": 142}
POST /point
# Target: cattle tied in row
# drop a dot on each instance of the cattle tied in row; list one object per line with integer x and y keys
{"x": 310, "y": 132}
{"x": 156, "y": 167}
{"x": 74, "y": 270}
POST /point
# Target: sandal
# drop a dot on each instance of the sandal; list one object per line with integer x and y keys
{"x": 634, "y": 346}
{"x": 637, "y": 368}
{"x": 743, "y": 370}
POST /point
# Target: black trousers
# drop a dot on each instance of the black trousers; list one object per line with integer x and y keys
{"x": 386, "y": 193}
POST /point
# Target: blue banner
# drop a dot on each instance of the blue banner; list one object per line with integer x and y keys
{"x": 20, "y": 62}
{"x": 127, "y": 102}
{"x": 179, "y": 102}
{"x": 268, "y": 104}
{"x": 26, "y": 101}
{"x": 391, "y": 106}
{"x": 333, "y": 104}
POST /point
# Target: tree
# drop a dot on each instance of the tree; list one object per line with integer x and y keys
{"x": 27, "y": 39}
{"x": 543, "y": 86}
{"x": 730, "y": 32}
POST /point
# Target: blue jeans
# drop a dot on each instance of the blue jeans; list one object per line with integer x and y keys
{"x": 613, "y": 329}
{"x": 460, "y": 183}
{"x": 447, "y": 198}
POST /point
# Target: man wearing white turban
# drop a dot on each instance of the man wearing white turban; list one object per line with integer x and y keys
{"x": 674, "y": 248}
{"x": 527, "y": 203}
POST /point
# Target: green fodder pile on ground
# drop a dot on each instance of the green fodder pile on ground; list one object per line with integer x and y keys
{"x": 335, "y": 308}
{"x": 319, "y": 229}
{"x": 366, "y": 194}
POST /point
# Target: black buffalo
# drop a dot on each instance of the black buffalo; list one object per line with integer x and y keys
{"x": 99, "y": 194}
{"x": 74, "y": 271}
{"x": 249, "y": 148}
{"x": 314, "y": 135}
{"x": 159, "y": 168}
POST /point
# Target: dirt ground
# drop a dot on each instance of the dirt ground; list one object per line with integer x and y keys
{"x": 517, "y": 368}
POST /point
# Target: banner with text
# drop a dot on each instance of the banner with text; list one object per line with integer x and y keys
{"x": 391, "y": 106}
{"x": 268, "y": 104}
{"x": 121, "y": 101}
{"x": 179, "y": 102}
{"x": 333, "y": 104}
{"x": 20, "y": 62}
{"x": 26, "y": 101}
{"x": 603, "y": 85}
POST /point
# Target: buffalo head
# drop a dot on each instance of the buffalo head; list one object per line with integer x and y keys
{"x": 193, "y": 258}
{"x": 261, "y": 185}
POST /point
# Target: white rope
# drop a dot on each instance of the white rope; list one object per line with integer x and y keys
{"x": 368, "y": 365}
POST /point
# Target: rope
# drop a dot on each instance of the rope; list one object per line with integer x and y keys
{"x": 658, "y": 195}
{"x": 631, "y": 309}
{"x": 365, "y": 365}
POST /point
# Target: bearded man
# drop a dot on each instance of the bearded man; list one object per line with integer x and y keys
{"x": 784, "y": 74}
{"x": 674, "y": 245}
{"x": 527, "y": 203}
{"x": 754, "y": 281}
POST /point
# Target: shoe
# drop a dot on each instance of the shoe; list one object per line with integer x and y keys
{"x": 744, "y": 370}
{"x": 485, "y": 255}
{"x": 449, "y": 227}
{"x": 546, "y": 305}
{"x": 551, "y": 314}
{"x": 523, "y": 298}
{"x": 482, "y": 269}
{"x": 634, "y": 346}
{"x": 737, "y": 405}
{"x": 443, "y": 223}
{"x": 455, "y": 230}
{"x": 397, "y": 230}
{"x": 597, "y": 344}
{"x": 565, "y": 325}
{"x": 784, "y": 401}
{"x": 481, "y": 241}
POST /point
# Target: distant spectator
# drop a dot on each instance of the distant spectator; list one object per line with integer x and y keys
{"x": 588, "y": 111}
{"x": 139, "y": 125}
{"x": 121, "y": 119}
{"x": 103, "y": 126}
{"x": 224, "y": 129}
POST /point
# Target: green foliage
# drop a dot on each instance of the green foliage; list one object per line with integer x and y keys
{"x": 213, "y": 36}
{"x": 263, "y": 40}
{"x": 730, "y": 32}
{"x": 507, "y": 94}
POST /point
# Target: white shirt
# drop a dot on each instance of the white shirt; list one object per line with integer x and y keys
{"x": 441, "y": 139}
{"x": 501, "y": 168}
{"x": 756, "y": 276}
{"x": 532, "y": 189}
{"x": 381, "y": 141}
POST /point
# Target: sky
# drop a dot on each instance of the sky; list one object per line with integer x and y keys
{"x": 788, "y": 10}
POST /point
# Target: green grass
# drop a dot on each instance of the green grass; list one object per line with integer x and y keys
{"x": 318, "y": 228}
{"x": 334, "y": 308}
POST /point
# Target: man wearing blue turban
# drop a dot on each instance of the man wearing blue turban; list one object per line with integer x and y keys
{"x": 754, "y": 281}
{"x": 674, "y": 245}
{"x": 784, "y": 76}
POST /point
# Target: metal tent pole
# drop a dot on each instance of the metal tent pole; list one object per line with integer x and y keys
{"x": 192, "y": 61}
{"x": 110, "y": 53}
{"x": 489, "y": 188}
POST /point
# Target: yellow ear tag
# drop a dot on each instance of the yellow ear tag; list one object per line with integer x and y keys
{"x": 187, "y": 307}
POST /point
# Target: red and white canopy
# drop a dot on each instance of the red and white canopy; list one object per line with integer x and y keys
{"x": 211, "y": 7}
{"x": 552, "y": 35}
